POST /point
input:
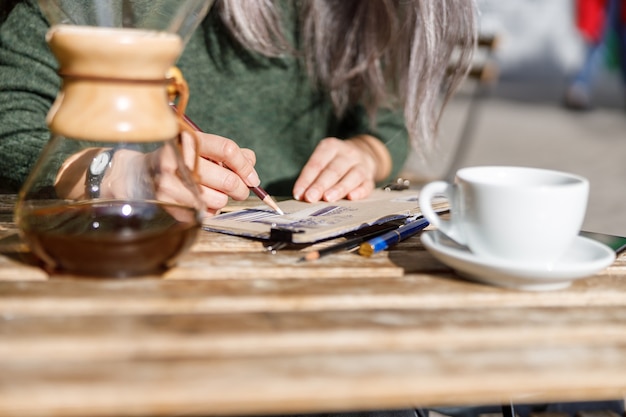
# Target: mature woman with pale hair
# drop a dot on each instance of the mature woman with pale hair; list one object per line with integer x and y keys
{"x": 318, "y": 98}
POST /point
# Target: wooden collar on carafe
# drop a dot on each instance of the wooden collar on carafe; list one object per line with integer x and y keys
{"x": 68, "y": 76}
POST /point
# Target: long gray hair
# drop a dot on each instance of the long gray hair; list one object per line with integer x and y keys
{"x": 393, "y": 53}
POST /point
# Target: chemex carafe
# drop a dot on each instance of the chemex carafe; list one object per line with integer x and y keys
{"x": 112, "y": 193}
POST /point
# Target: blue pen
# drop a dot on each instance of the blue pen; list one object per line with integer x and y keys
{"x": 382, "y": 242}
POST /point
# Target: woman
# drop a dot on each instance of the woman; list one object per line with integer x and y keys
{"x": 599, "y": 22}
{"x": 324, "y": 92}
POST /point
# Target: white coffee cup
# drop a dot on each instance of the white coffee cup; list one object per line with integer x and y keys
{"x": 517, "y": 214}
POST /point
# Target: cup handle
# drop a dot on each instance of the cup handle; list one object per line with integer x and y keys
{"x": 447, "y": 227}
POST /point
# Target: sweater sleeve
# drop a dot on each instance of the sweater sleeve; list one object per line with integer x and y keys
{"x": 389, "y": 128}
{"x": 28, "y": 87}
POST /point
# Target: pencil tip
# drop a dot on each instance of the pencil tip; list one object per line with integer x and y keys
{"x": 311, "y": 256}
{"x": 270, "y": 202}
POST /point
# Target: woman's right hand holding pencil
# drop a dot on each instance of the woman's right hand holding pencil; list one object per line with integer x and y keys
{"x": 224, "y": 169}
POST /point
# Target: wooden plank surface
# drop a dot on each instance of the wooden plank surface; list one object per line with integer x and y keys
{"x": 234, "y": 329}
{"x": 413, "y": 291}
{"x": 157, "y": 347}
{"x": 228, "y": 335}
{"x": 433, "y": 288}
{"x": 322, "y": 382}
{"x": 263, "y": 265}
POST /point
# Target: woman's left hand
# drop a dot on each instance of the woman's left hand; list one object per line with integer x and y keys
{"x": 343, "y": 169}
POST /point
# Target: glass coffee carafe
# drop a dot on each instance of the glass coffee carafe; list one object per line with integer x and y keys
{"x": 113, "y": 193}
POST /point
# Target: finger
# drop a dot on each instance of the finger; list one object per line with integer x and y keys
{"x": 211, "y": 174}
{"x": 362, "y": 191}
{"x": 351, "y": 181}
{"x": 324, "y": 153}
{"x": 250, "y": 155}
{"x": 222, "y": 180}
{"x": 339, "y": 177}
{"x": 322, "y": 184}
{"x": 213, "y": 199}
{"x": 226, "y": 151}
{"x": 171, "y": 189}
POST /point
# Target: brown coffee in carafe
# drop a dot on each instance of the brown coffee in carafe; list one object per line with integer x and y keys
{"x": 111, "y": 238}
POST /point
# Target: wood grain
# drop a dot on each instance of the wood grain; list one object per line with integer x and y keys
{"x": 260, "y": 334}
{"x": 236, "y": 330}
{"x": 323, "y": 382}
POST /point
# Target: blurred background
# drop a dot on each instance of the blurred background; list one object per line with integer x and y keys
{"x": 520, "y": 116}
{"x": 540, "y": 50}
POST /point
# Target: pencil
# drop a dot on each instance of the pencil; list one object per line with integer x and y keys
{"x": 352, "y": 243}
{"x": 267, "y": 199}
{"x": 260, "y": 192}
{"x": 382, "y": 242}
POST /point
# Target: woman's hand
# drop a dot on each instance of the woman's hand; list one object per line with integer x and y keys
{"x": 343, "y": 169}
{"x": 220, "y": 172}
{"x": 224, "y": 169}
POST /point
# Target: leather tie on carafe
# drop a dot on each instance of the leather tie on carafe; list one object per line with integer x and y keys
{"x": 178, "y": 92}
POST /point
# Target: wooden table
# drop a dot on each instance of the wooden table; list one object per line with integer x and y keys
{"x": 234, "y": 329}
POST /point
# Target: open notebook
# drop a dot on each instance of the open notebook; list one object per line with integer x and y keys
{"x": 312, "y": 222}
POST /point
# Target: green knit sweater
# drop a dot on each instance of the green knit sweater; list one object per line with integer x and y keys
{"x": 267, "y": 105}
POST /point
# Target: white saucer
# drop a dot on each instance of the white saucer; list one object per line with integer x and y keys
{"x": 583, "y": 259}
